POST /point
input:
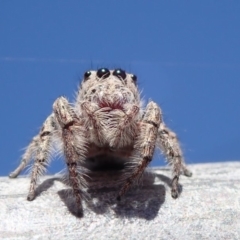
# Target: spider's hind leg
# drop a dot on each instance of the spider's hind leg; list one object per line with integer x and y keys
{"x": 39, "y": 149}
{"x": 41, "y": 154}
{"x": 168, "y": 143}
{"x": 26, "y": 158}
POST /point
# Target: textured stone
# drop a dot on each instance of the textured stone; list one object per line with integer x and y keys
{"x": 208, "y": 207}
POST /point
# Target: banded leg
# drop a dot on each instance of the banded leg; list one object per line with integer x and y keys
{"x": 27, "y": 157}
{"x": 168, "y": 142}
{"x": 74, "y": 149}
{"x": 145, "y": 144}
{"x": 42, "y": 155}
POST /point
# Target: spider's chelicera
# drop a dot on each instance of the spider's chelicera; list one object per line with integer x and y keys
{"x": 107, "y": 121}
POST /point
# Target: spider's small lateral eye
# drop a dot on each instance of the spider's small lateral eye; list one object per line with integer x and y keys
{"x": 87, "y": 75}
{"x": 134, "y": 78}
{"x": 103, "y": 73}
{"x": 121, "y": 74}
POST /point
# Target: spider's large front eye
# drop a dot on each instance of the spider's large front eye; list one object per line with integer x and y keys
{"x": 103, "y": 73}
{"x": 121, "y": 74}
{"x": 87, "y": 75}
{"x": 134, "y": 78}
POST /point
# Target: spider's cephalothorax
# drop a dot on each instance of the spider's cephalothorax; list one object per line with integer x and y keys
{"x": 109, "y": 103}
{"x": 107, "y": 123}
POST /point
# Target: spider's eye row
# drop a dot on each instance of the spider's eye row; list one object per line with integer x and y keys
{"x": 103, "y": 73}
{"x": 121, "y": 74}
{"x": 87, "y": 75}
{"x": 134, "y": 78}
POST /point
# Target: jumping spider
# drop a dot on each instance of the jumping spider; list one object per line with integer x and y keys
{"x": 107, "y": 121}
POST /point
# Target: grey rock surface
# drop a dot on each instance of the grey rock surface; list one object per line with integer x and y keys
{"x": 208, "y": 207}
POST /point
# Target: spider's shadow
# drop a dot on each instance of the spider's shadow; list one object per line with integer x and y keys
{"x": 45, "y": 185}
{"x": 142, "y": 201}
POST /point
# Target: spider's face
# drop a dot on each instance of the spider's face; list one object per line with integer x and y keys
{"x": 114, "y": 89}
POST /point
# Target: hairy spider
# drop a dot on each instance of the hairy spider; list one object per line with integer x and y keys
{"x": 107, "y": 122}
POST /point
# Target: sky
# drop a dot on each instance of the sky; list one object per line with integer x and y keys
{"x": 186, "y": 55}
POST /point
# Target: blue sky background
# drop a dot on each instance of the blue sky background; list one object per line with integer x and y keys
{"x": 186, "y": 55}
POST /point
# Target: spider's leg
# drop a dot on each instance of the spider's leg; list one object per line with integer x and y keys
{"x": 42, "y": 154}
{"x": 168, "y": 143}
{"x": 27, "y": 156}
{"x": 39, "y": 149}
{"x": 145, "y": 144}
{"x": 74, "y": 144}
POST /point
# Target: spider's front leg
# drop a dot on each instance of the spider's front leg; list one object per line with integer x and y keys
{"x": 168, "y": 143}
{"x": 145, "y": 144}
{"x": 74, "y": 143}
